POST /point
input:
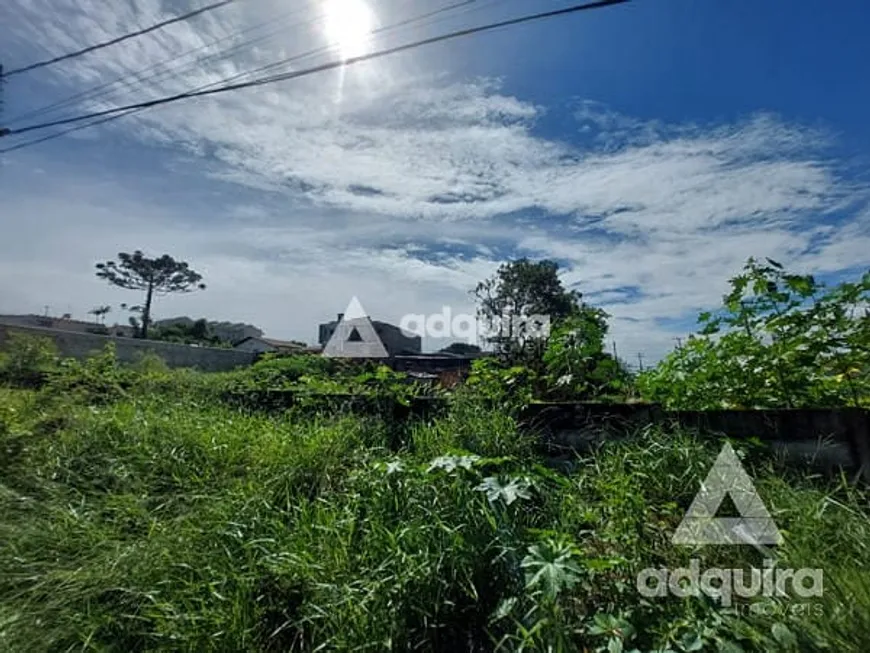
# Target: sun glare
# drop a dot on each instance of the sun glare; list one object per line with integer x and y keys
{"x": 349, "y": 25}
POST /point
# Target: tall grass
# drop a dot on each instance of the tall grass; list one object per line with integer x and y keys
{"x": 163, "y": 520}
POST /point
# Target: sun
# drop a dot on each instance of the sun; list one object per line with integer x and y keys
{"x": 349, "y": 25}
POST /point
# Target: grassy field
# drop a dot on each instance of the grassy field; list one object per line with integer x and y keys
{"x": 151, "y": 516}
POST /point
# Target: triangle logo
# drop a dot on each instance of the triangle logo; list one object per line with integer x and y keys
{"x": 700, "y": 525}
{"x": 355, "y": 336}
{"x": 354, "y": 310}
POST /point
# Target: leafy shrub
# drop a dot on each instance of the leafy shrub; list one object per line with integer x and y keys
{"x": 149, "y": 363}
{"x": 577, "y": 367}
{"x": 780, "y": 339}
{"x": 27, "y": 360}
{"x": 274, "y": 372}
{"x": 501, "y": 385}
{"x": 314, "y": 383}
{"x": 99, "y": 378}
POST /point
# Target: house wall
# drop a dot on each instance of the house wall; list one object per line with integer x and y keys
{"x": 325, "y": 331}
{"x": 129, "y": 350}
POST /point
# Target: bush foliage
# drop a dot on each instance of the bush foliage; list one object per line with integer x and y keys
{"x": 779, "y": 340}
{"x": 149, "y": 509}
{"x": 140, "y": 511}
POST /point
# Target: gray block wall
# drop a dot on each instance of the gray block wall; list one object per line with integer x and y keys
{"x": 129, "y": 350}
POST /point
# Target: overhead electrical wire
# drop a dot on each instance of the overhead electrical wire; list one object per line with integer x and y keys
{"x": 327, "y": 48}
{"x": 69, "y": 130}
{"x": 102, "y": 90}
{"x": 118, "y": 39}
{"x": 282, "y": 62}
{"x": 141, "y": 77}
{"x": 312, "y": 70}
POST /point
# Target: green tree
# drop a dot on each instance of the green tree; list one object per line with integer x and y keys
{"x": 780, "y": 339}
{"x": 199, "y": 332}
{"x": 28, "y": 360}
{"x": 160, "y": 276}
{"x": 518, "y": 291}
{"x": 576, "y": 364}
{"x": 99, "y": 313}
{"x": 566, "y": 357}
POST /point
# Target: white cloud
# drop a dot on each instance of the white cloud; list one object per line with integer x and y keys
{"x": 351, "y": 181}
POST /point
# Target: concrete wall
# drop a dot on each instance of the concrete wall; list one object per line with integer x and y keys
{"x": 826, "y": 439}
{"x": 129, "y": 350}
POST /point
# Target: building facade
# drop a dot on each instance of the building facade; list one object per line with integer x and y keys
{"x": 394, "y": 341}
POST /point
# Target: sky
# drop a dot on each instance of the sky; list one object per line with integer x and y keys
{"x": 650, "y": 148}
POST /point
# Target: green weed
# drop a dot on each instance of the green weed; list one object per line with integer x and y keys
{"x": 159, "y": 518}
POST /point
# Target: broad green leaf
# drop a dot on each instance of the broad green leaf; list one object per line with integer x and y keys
{"x": 515, "y": 488}
{"x": 505, "y": 607}
{"x": 550, "y": 567}
{"x": 691, "y": 642}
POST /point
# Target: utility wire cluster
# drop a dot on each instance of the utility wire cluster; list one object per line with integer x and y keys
{"x": 233, "y": 83}
{"x": 119, "y": 39}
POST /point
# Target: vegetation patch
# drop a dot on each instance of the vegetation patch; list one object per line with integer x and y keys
{"x": 149, "y": 509}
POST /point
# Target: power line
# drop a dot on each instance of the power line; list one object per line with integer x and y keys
{"x": 101, "y": 89}
{"x": 70, "y": 130}
{"x": 282, "y": 62}
{"x": 327, "y": 48}
{"x": 322, "y": 67}
{"x": 140, "y": 76}
{"x": 119, "y": 39}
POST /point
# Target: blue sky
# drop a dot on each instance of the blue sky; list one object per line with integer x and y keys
{"x": 650, "y": 148}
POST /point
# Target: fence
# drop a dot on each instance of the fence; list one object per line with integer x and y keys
{"x": 80, "y": 345}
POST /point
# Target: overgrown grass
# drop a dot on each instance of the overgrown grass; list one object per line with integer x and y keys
{"x": 153, "y": 517}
